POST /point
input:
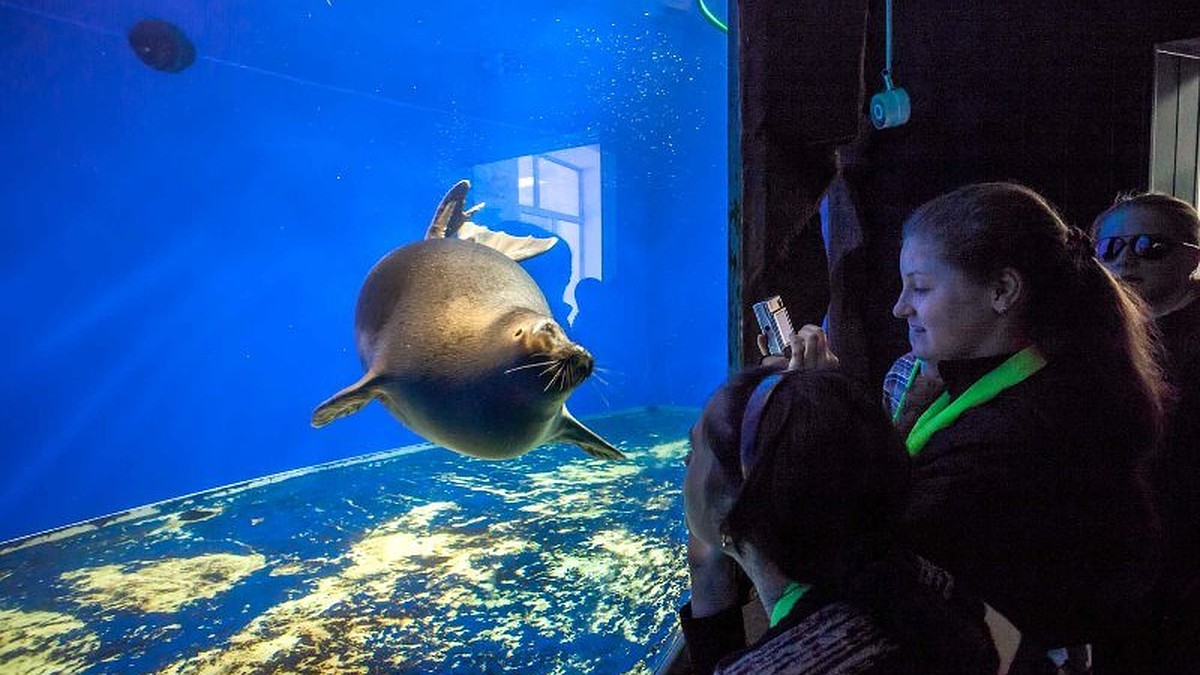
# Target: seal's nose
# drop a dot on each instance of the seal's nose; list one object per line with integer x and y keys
{"x": 580, "y": 363}
{"x": 582, "y": 358}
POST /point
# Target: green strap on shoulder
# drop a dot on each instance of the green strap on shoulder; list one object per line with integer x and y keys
{"x": 787, "y": 601}
{"x": 944, "y": 412}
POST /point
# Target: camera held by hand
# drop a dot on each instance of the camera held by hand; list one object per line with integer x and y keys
{"x": 774, "y": 322}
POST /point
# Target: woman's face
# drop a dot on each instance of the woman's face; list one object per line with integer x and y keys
{"x": 1165, "y": 284}
{"x": 949, "y": 315}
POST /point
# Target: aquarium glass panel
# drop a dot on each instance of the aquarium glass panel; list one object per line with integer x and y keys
{"x": 326, "y": 323}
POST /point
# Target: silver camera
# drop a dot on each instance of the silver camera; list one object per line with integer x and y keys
{"x": 775, "y": 323}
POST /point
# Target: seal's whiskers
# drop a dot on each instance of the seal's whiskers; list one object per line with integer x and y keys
{"x": 558, "y": 371}
{"x": 566, "y": 373}
{"x": 531, "y": 365}
{"x": 600, "y": 393}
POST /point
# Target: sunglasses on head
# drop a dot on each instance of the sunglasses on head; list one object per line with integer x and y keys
{"x": 1144, "y": 246}
{"x": 754, "y": 409}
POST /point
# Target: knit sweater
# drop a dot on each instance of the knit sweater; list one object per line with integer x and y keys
{"x": 829, "y": 633}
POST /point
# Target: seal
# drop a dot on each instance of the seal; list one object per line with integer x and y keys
{"x": 458, "y": 343}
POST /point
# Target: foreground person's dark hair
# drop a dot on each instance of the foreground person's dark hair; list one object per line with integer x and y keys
{"x": 823, "y": 500}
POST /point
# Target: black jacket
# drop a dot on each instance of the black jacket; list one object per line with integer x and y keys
{"x": 1034, "y": 502}
{"x": 1177, "y": 475}
{"x": 1175, "y": 647}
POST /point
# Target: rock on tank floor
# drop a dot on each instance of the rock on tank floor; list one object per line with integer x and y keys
{"x": 413, "y": 560}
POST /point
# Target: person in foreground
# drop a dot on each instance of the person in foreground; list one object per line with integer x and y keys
{"x": 1029, "y": 469}
{"x": 1152, "y": 242}
{"x": 797, "y": 480}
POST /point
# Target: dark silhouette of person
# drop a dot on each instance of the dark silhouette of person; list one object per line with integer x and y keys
{"x": 551, "y": 270}
{"x": 595, "y": 328}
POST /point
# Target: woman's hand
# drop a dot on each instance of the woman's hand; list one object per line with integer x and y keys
{"x": 810, "y": 350}
{"x": 714, "y": 578}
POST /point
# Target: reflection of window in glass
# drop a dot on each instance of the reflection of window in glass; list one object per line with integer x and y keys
{"x": 525, "y": 180}
{"x": 558, "y": 186}
{"x": 558, "y": 191}
{"x": 541, "y": 221}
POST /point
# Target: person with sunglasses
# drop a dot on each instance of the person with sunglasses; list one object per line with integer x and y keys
{"x": 796, "y": 480}
{"x": 1027, "y": 468}
{"x": 1152, "y": 243}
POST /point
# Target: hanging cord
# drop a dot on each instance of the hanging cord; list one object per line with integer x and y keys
{"x": 887, "y": 66}
{"x": 712, "y": 18}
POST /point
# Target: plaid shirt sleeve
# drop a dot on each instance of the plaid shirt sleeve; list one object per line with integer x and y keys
{"x": 897, "y": 381}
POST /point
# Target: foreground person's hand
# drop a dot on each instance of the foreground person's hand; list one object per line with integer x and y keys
{"x": 769, "y": 359}
{"x": 810, "y": 350}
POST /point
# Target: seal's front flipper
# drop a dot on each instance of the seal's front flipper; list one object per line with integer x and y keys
{"x": 347, "y": 401}
{"x": 571, "y": 431}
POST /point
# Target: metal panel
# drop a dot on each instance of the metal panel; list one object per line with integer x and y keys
{"x": 1189, "y": 48}
{"x": 1162, "y": 148}
{"x": 1187, "y": 126}
{"x": 1166, "y": 105}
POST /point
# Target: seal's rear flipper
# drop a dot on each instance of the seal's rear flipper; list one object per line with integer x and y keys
{"x": 517, "y": 248}
{"x": 571, "y": 431}
{"x": 449, "y": 215}
{"x": 347, "y": 401}
{"x": 451, "y": 221}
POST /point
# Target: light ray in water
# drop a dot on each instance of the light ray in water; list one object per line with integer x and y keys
{"x": 347, "y": 91}
{"x": 60, "y": 19}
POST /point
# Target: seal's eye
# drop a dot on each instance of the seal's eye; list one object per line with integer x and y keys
{"x": 519, "y": 333}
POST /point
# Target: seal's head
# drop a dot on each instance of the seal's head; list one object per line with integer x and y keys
{"x": 542, "y": 349}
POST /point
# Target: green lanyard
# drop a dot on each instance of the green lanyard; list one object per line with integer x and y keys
{"x": 787, "y": 601}
{"x": 943, "y": 412}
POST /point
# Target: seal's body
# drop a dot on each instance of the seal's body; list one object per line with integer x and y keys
{"x": 458, "y": 342}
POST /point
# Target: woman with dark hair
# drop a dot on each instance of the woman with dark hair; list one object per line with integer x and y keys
{"x": 797, "y": 479}
{"x": 1027, "y": 471}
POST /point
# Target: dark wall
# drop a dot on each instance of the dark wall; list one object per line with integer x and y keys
{"x": 1056, "y": 95}
{"x": 799, "y": 81}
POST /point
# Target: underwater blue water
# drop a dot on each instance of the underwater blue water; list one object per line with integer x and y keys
{"x": 180, "y": 253}
{"x": 416, "y": 560}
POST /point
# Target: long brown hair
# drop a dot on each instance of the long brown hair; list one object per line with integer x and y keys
{"x": 1073, "y": 309}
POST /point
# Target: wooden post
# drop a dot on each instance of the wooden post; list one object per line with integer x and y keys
{"x": 796, "y": 94}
